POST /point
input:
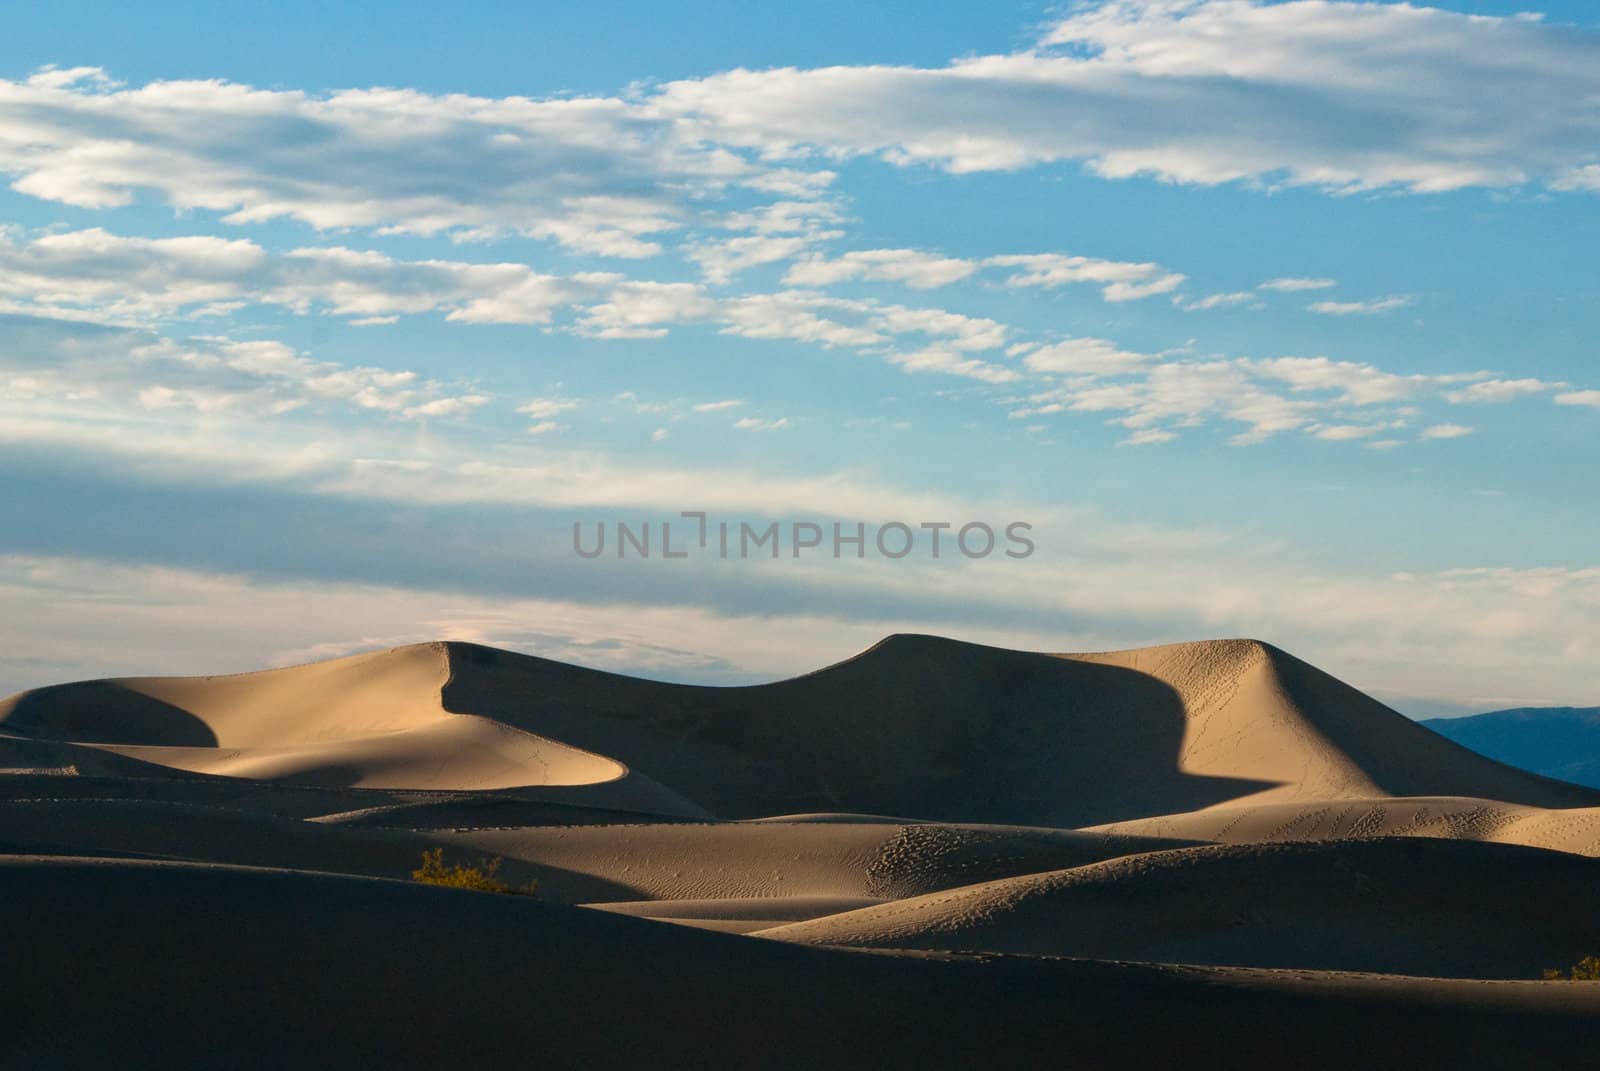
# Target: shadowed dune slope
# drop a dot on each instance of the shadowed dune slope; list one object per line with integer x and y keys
{"x": 915, "y": 726}
{"x": 370, "y": 721}
{"x": 346, "y": 698}
{"x": 1438, "y": 908}
{"x": 1255, "y": 709}
{"x": 934, "y": 728}
{"x": 161, "y": 974}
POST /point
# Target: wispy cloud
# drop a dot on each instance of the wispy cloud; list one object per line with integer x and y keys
{"x": 1119, "y": 280}
{"x": 1295, "y": 284}
{"x": 64, "y": 368}
{"x": 1268, "y": 396}
{"x": 547, "y": 408}
{"x": 125, "y": 279}
{"x": 1329, "y": 94}
{"x": 918, "y": 270}
{"x": 755, "y": 424}
{"x": 1528, "y": 631}
{"x": 1371, "y": 307}
{"x": 1216, "y": 301}
{"x": 597, "y": 175}
{"x": 1501, "y": 390}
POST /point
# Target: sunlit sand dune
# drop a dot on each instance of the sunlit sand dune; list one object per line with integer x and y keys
{"x": 932, "y": 851}
{"x": 916, "y": 726}
{"x": 369, "y": 721}
{"x": 1573, "y": 829}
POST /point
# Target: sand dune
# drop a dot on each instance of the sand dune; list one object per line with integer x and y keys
{"x": 1573, "y": 829}
{"x": 1256, "y": 711}
{"x": 1065, "y": 741}
{"x": 932, "y": 728}
{"x": 688, "y": 862}
{"x": 1216, "y": 803}
{"x": 138, "y": 967}
{"x": 368, "y": 721}
{"x": 573, "y": 864}
{"x": 739, "y": 914}
{"x": 1437, "y": 908}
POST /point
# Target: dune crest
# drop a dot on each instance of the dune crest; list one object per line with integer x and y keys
{"x": 1117, "y": 855}
{"x": 1256, "y": 711}
{"x": 915, "y": 725}
{"x": 372, "y": 720}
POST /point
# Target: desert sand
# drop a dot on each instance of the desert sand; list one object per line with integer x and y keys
{"x": 932, "y": 854}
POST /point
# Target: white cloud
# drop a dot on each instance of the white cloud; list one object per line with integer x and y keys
{"x": 1186, "y": 393}
{"x": 1293, "y": 284}
{"x": 1149, "y": 393}
{"x": 802, "y": 317}
{"x": 1149, "y": 437}
{"x": 1360, "y": 308}
{"x": 1121, "y": 280}
{"x": 642, "y": 309}
{"x": 1580, "y": 397}
{"x": 968, "y": 333}
{"x": 1501, "y": 390}
{"x": 58, "y": 367}
{"x": 1215, "y": 301}
{"x": 446, "y": 407}
{"x": 717, "y": 407}
{"x": 1086, "y": 356}
{"x": 1446, "y": 431}
{"x": 918, "y": 270}
{"x": 1356, "y": 384}
{"x": 92, "y": 619}
{"x": 123, "y": 279}
{"x": 811, "y": 218}
{"x": 648, "y": 310}
{"x": 952, "y": 362}
{"x": 753, "y": 424}
{"x": 1346, "y": 432}
{"x": 720, "y": 260}
{"x": 547, "y": 408}
{"x": 1322, "y": 93}
{"x": 778, "y": 231}
{"x": 595, "y": 174}
{"x": 1509, "y": 631}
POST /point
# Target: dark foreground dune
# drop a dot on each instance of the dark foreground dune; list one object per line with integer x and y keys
{"x": 126, "y": 965}
{"x": 933, "y": 854}
{"x": 1436, "y": 908}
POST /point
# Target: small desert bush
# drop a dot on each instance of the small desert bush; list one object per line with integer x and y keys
{"x": 1586, "y": 969}
{"x": 484, "y": 877}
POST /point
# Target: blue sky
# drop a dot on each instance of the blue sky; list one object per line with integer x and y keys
{"x": 319, "y": 330}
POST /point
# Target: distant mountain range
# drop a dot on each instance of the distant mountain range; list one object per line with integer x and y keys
{"x": 1560, "y": 742}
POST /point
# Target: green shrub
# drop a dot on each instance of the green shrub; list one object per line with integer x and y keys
{"x": 1586, "y": 969}
{"x": 483, "y": 878}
